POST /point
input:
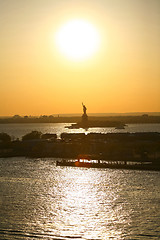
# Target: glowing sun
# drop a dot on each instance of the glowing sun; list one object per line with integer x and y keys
{"x": 77, "y": 39}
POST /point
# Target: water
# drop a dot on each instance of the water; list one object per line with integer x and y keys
{"x": 41, "y": 201}
{"x": 19, "y": 130}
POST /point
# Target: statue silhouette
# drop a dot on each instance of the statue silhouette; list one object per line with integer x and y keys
{"x": 84, "y": 108}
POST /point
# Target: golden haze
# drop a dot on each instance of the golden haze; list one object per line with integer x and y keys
{"x": 123, "y": 76}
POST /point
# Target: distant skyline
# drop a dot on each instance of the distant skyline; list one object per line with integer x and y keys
{"x": 90, "y": 114}
{"x": 122, "y": 76}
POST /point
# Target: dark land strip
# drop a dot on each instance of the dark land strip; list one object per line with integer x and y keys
{"x": 115, "y": 148}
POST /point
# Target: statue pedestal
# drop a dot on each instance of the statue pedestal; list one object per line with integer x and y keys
{"x": 84, "y": 120}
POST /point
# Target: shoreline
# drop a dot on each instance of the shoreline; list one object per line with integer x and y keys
{"x": 104, "y": 120}
{"x": 139, "y": 148}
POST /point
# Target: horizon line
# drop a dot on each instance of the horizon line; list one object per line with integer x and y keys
{"x": 73, "y": 114}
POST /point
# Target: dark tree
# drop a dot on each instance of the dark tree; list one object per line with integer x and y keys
{"x": 32, "y": 135}
{"x": 4, "y": 137}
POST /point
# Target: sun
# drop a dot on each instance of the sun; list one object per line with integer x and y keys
{"x": 77, "y": 39}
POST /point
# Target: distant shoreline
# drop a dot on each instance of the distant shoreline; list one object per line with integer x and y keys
{"x": 145, "y": 118}
{"x": 90, "y": 114}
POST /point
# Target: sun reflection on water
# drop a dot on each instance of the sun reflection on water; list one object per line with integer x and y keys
{"x": 42, "y": 200}
{"x": 88, "y": 208}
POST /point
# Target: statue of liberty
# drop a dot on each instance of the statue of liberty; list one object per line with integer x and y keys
{"x": 84, "y": 108}
{"x": 84, "y": 117}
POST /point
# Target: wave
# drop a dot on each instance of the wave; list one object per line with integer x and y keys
{"x": 27, "y": 235}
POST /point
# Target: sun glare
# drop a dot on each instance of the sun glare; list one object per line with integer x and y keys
{"x": 77, "y": 39}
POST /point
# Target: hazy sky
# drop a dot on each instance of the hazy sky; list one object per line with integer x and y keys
{"x": 123, "y": 76}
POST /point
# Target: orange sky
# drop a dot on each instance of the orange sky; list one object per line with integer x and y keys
{"x": 123, "y": 76}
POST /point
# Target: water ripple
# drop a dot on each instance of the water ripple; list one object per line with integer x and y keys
{"x": 41, "y": 201}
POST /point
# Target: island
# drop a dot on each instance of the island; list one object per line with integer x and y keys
{"x": 119, "y": 150}
{"x": 86, "y": 123}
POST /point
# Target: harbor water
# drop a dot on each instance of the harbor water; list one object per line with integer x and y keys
{"x": 39, "y": 200}
{"x": 17, "y": 130}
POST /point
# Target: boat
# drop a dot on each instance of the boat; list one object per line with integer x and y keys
{"x": 77, "y": 163}
{"x": 84, "y": 161}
